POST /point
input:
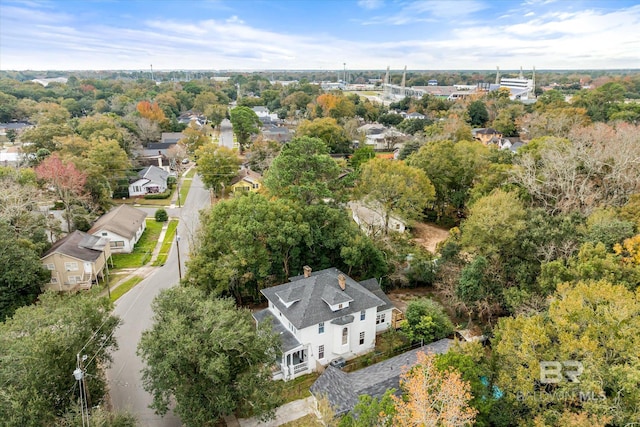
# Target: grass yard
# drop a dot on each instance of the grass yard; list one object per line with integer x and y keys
{"x": 309, "y": 420}
{"x": 185, "y": 185}
{"x": 298, "y": 388}
{"x": 141, "y": 254}
{"x": 191, "y": 173}
{"x": 166, "y": 243}
{"x": 124, "y": 287}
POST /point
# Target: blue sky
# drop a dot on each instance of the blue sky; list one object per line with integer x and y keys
{"x": 308, "y": 34}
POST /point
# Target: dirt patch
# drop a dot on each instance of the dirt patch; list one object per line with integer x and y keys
{"x": 400, "y": 297}
{"x": 428, "y": 235}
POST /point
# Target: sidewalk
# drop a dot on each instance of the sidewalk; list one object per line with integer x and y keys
{"x": 288, "y": 412}
{"x": 176, "y": 194}
{"x": 146, "y": 270}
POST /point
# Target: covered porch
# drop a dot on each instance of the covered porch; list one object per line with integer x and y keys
{"x": 294, "y": 361}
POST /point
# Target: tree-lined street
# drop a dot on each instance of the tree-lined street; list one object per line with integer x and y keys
{"x": 134, "y": 308}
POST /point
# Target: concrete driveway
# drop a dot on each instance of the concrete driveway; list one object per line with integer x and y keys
{"x": 284, "y": 414}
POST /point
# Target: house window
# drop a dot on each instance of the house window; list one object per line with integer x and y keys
{"x": 379, "y": 318}
{"x": 339, "y": 306}
{"x": 51, "y": 267}
{"x": 71, "y": 266}
{"x": 361, "y": 338}
{"x": 255, "y": 186}
{"x": 104, "y": 233}
{"x": 321, "y": 328}
{"x": 54, "y": 280}
{"x": 363, "y": 314}
{"x": 72, "y": 280}
{"x": 345, "y": 336}
{"x": 321, "y": 351}
{"x": 117, "y": 244}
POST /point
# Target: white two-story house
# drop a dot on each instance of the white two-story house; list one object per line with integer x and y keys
{"x": 321, "y": 316}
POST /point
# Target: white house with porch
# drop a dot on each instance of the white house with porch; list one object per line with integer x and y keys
{"x": 150, "y": 180}
{"x": 324, "y": 315}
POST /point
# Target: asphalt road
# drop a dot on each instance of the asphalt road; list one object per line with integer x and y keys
{"x": 135, "y": 310}
{"x": 226, "y": 134}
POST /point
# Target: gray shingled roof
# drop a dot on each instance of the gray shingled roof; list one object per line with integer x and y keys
{"x": 79, "y": 245}
{"x": 154, "y": 174}
{"x": 373, "y": 286}
{"x": 311, "y": 309}
{"x": 342, "y": 389}
{"x": 289, "y": 341}
{"x": 123, "y": 220}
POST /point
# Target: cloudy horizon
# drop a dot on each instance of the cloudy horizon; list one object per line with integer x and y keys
{"x": 246, "y": 35}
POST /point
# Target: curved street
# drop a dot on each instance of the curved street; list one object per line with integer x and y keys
{"x": 134, "y": 308}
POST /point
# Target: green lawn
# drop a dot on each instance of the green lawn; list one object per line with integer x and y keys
{"x": 124, "y": 288}
{"x": 144, "y": 248}
{"x": 298, "y": 388}
{"x": 191, "y": 173}
{"x": 185, "y": 185}
{"x": 166, "y": 243}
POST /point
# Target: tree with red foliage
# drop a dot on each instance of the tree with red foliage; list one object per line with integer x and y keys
{"x": 65, "y": 180}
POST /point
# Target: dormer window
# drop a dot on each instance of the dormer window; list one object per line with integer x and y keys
{"x": 321, "y": 328}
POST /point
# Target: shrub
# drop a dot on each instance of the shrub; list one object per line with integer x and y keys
{"x": 426, "y": 321}
{"x": 155, "y": 196}
{"x": 161, "y": 215}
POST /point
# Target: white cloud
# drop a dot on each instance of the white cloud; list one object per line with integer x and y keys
{"x": 370, "y": 4}
{"x": 428, "y": 11}
{"x": 235, "y": 20}
{"x": 585, "y": 39}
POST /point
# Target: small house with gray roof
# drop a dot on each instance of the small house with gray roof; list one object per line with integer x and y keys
{"x": 123, "y": 226}
{"x": 150, "y": 180}
{"x": 343, "y": 389}
{"x": 321, "y": 316}
{"x": 76, "y": 261}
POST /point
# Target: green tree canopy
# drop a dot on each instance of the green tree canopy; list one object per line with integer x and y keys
{"x": 22, "y": 274}
{"x": 594, "y": 323}
{"x": 478, "y": 114}
{"x": 38, "y": 352}
{"x": 217, "y": 166}
{"x": 452, "y": 168}
{"x": 328, "y": 130}
{"x": 426, "y": 321}
{"x": 251, "y": 242}
{"x": 207, "y": 356}
{"x": 396, "y": 188}
{"x": 303, "y": 171}
{"x": 494, "y": 224}
{"x": 245, "y": 123}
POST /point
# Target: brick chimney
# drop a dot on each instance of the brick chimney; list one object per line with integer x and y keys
{"x": 342, "y": 281}
{"x": 307, "y": 271}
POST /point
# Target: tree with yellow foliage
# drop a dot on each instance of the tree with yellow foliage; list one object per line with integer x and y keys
{"x": 152, "y": 111}
{"x": 433, "y": 397}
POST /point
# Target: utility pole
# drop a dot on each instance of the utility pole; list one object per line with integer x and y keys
{"x": 152, "y": 72}
{"x": 106, "y": 266}
{"x": 178, "y": 249}
{"x": 80, "y": 376}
